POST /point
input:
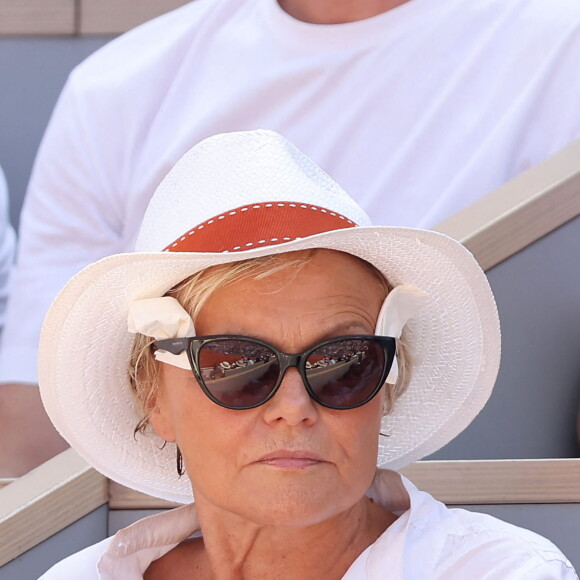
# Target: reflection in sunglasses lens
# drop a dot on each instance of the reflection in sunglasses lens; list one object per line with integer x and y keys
{"x": 238, "y": 373}
{"x": 345, "y": 373}
{"x": 241, "y": 373}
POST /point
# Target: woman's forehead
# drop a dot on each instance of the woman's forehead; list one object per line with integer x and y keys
{"x": 328, "y": 289}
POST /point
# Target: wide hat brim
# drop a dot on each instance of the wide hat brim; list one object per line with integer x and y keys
{"x": 85, "y": 348}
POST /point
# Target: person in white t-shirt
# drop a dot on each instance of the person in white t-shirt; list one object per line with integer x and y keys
{"x": 419, "y": 108}
{"x": 344, "y": 346}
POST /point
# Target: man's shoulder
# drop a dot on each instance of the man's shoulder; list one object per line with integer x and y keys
{"x": 83, "y": 564}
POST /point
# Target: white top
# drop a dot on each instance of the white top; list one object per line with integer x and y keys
{"x": 416, "y": 112}
{"x": 427, "y": 542}
{"x": 7, "y": 243}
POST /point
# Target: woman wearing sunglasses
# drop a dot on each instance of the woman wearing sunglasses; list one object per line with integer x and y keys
{"x": 263, "y": 351}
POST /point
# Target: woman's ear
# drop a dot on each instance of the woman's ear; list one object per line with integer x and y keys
{"x": 161, "y": 425}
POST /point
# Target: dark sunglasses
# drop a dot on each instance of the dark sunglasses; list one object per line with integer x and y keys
{"x": 238, "y": 372}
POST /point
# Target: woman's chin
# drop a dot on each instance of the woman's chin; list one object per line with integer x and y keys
{"x": 296, "y": 504}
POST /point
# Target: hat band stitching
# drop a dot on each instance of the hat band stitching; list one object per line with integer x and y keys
{"x": 263, "y": 240}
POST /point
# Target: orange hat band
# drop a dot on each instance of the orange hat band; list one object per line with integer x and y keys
{"x": 263, "y": 224}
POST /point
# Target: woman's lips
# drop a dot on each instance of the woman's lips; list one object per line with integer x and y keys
{"x": 286, "y": 459}
{"x": 290, "y": 462}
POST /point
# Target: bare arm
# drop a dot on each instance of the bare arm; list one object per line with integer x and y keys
{"x": 28, "y": 437}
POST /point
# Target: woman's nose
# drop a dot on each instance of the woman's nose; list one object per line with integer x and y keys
{"x": 291, "y": 403}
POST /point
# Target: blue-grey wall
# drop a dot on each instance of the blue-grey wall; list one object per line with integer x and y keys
{"x": 84, "y": 532}
{"x": 32, "y": 73}
{"x": 532, "y": 411}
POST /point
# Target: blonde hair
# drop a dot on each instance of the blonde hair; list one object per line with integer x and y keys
{"x": 193, "y": 292}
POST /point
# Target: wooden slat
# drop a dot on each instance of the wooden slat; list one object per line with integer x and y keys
{"x": 116, "y": 16}
{"x": 452, "y": 482}
{"x": 46, "y": 500}
{"x": 520, "y": 212}
{"x": 37, "y": 17}
{"x": 499, "y": 481}
{"x": 123, "y": 498}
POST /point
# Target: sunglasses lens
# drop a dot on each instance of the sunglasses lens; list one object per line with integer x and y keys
{"x": 238, "y": 373}
{"x": 345, "y": 373}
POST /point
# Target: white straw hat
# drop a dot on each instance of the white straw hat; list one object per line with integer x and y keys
{"x": 243, "y": 195}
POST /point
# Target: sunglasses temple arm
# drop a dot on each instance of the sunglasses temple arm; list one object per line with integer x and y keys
{"x": 173, "y": 345}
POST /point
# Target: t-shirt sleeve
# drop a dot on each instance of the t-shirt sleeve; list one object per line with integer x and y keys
{"x": 70, "y": 218}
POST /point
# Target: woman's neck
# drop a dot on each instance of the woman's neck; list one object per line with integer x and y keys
{"x": 236, "y": 550}
{"x": 336, "y": 11}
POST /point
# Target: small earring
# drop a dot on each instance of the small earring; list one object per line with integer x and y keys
{"x": 179, "y": 463}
